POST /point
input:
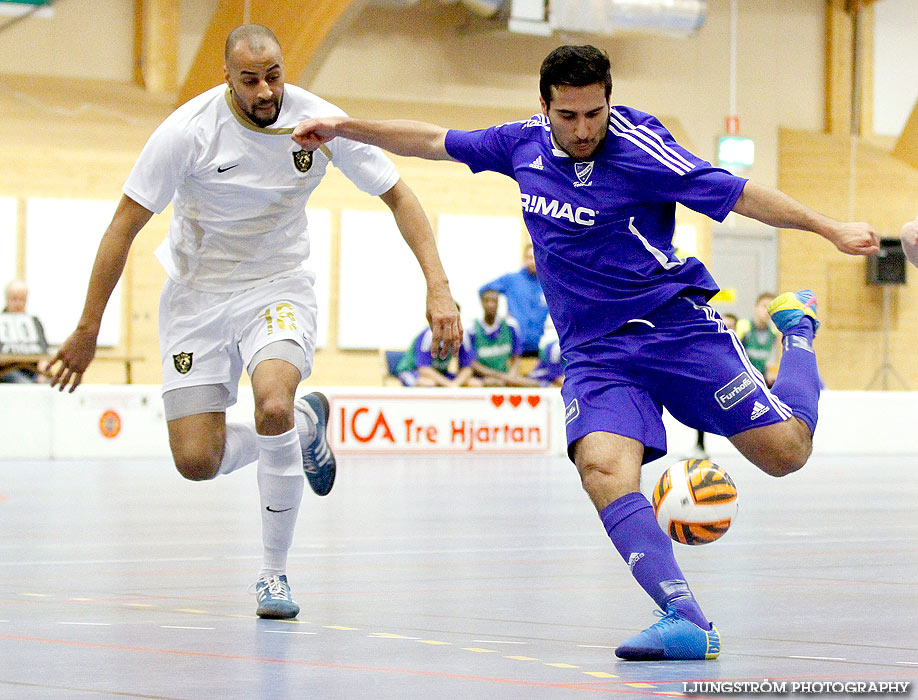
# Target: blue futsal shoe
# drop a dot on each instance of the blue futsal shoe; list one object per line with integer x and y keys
{"x": 673, "y": 638}
{"x": 789, "y": 309}
{"x": 318, "y": 460}
{"x": 274, "y": 599}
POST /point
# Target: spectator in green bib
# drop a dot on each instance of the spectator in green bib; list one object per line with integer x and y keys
{"x": 760, "y": 338}
{"x": 496, "y": 344}
{"x": 418, "y": 368}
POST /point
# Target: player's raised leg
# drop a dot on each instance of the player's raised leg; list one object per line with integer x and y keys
{"x": 203, "y": 444}
{"x": 610, "y": 468}
{"x": 782, "y": 448}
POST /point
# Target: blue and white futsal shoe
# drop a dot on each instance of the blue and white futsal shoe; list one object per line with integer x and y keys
{"x": 274, "y": 599}
{"x": 789, "y": 309}
{"x": 673, "y": 638}
{"x": 318, "y": 460}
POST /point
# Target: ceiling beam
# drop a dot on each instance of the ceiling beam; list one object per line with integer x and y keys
{"x": 301, "y": 28}
{"x": 849, "y": 67}
{"x": 156, "y": 29}
{"x": 906, "y": 146}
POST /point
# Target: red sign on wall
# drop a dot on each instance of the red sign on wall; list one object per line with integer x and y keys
{"x": 496, "y": 423}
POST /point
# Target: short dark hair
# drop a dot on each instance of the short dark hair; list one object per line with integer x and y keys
{"x": 575, "y": 66}
{"x": 256, "y": 35}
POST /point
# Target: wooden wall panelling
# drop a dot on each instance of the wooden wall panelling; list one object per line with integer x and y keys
{"x": 815, "y": 169}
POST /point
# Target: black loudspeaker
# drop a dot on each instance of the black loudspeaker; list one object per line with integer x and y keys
{"x": 887, "y": 266}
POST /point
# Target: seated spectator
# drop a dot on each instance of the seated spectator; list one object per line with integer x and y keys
{"x": 495, "y": 344}
{"x": 525, "y": 301}
{"x": 21, "y": 339}
{"x": 760, "y": 338}
{"x": 418, "y": 368}
{"x": 550, "y": 370}
{"x": 730, "y": 321}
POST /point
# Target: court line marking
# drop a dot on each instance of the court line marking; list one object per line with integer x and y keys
{"x": 185, "y": 627}
{"x": 291, "y": 555}
{"x": 595, "y": 646}
{"x": 308, "y": 664}
{"x": 495, "y": 641}
{"x": 288, "y": 632}
{"x": 83, "y": 691}
{"x": 88, "y": 624}
{"x": 818, "y": 658}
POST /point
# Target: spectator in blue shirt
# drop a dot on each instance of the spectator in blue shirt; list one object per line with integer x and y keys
{"x": 525, "y": 301}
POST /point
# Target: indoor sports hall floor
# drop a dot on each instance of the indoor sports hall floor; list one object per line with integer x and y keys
{"x": 437, "y": 578}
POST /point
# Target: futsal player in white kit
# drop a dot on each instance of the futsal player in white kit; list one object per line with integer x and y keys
{"x": 237, "y": 296}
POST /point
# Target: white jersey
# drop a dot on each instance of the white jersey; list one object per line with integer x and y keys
{"x": 239, "y": 191}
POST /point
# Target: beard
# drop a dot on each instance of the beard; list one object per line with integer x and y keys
{"x": 258, "y": 118}
{"x": 569, "y": 148}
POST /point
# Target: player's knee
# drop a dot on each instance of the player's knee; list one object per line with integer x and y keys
{"x": 788, "y": 459}
{"x": 595, "y": 477}
{"x": 273, "y": 415}
{"x": 197, "y": 465}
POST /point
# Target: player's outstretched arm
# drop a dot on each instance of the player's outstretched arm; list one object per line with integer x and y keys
{"x": 399, "y": 136}
{"x": 773, "y": 207}
{"x": 909, "y": 237}
{"x": 442, "y": 314}
{"x": 75, "y": 354}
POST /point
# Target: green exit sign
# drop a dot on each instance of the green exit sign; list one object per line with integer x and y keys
{"x": 735, "y": 152}
{"x": 36, "y": 8}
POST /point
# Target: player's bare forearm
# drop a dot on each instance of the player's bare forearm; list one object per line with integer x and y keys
{"x": 433, "y": 375}
{"x": 773, "y": 207}
{"x": 442, "y": 314}
{"x": 463, "y": 377}
{"x": 78, "y": 350}
{"x": 483, "y": 370}
{"x": 400, "y": 136}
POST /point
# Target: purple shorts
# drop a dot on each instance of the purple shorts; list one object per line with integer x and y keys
{"x": 680, "y": 356}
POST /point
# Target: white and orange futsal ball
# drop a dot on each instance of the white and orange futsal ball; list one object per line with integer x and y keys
{"x": 694, "y": 501}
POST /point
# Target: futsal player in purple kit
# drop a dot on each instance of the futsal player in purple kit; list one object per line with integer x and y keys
{"x": 599, "y": 186}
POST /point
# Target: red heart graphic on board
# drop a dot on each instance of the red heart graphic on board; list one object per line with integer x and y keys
{"x": 497, "y": 400}
{"x": 533, "y": 400}
{"x": 516, "y": 400}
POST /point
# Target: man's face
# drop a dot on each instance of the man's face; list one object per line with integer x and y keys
{"x": 760, "y": 313}
{"x": 579, "y": 118}
{"x": 256, "y": 78}
{"x": 16, "y": 297}
{"x": 489, "y": 301}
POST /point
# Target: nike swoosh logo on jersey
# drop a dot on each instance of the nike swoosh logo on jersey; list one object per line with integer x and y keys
{"x": 271, "y": 510}
{"x": 228, "y": 167}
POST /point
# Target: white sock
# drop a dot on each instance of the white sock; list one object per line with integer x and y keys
{"x": 305, "y": 421}
{"x": 280, "y": 486}
{"x": 241, "y": 447}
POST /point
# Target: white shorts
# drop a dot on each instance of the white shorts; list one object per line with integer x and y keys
{"x": 208, "y": 338}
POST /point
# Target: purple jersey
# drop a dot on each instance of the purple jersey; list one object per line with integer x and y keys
{"x": 602, "y": 229}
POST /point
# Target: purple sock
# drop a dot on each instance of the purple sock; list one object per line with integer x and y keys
{"x": 798, "y": 382}
{"x": 649, "y": 554}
